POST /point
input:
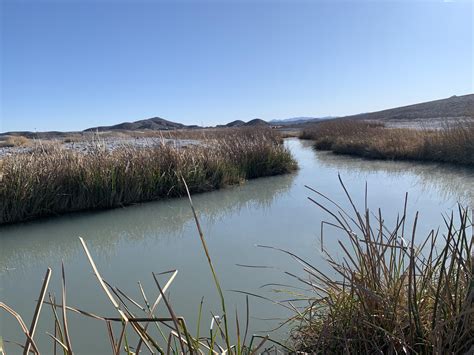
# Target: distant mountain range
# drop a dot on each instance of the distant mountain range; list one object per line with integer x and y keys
{"x": 297, "y": 120}
{"x": 454, "y": 107}
{"x": 160, "y": 124}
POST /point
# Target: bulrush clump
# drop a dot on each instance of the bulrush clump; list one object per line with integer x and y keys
{"x": 51, "y": 180}
{"x": 390, "y": 291}
{"x": 452, "y": 143}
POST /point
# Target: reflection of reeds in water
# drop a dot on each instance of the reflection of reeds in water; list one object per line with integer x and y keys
{"x": 57, "y": 238}
{"x": 450, "y": 182}
{"x": 137, "y": 328}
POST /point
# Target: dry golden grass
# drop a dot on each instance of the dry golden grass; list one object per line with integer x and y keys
{"x": 15, "y": 141}
{"x": 196, "y": 134}
{"x": 451, "y": 144}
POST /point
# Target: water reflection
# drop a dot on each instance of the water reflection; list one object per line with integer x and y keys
{"x": 450, "y": 182}
{"x": 57, "y": 238}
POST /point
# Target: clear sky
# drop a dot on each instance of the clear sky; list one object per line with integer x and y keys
{"x": 69, "y": 65}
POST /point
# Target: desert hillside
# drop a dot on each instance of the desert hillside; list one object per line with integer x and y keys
{"x": 455, "y": 107}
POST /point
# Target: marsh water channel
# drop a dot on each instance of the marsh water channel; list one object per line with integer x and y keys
{"x": 129, "y": 244}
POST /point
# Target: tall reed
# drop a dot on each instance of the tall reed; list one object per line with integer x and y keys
{"x": 52, "y": 180}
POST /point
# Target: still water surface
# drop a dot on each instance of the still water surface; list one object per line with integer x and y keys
{"x": 129, "y": 244}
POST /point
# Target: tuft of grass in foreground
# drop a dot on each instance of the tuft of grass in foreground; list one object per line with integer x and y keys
{"x": 450, "y": 144}
{"x": 52, "y": 180}
{"x": 393, "y": 292}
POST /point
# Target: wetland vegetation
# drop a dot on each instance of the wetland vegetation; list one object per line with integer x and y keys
{"x": 51, "y": 180}
{"x": 453, "y": 143}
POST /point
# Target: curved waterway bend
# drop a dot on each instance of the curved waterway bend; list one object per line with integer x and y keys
{"x": 129, "y": 244}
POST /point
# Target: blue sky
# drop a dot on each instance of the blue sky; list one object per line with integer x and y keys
{"x": 69, "y": 65}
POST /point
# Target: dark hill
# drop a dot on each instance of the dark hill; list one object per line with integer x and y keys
{"x": 236, "y": 123}
{"x": 155, "y": 123}
{"x": 256, "y": 122}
